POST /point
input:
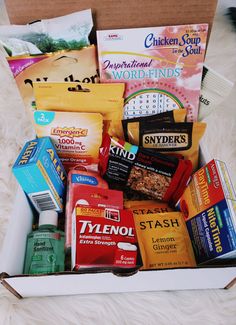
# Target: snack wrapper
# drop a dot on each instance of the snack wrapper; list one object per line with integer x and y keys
{"x": 159, "y": 176}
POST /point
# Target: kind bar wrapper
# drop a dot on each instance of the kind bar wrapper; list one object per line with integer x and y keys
{"x": 209, "y": 207}
{"x": 69, "y": 32}
{"x": 182, "y": 138}
{"x": 103, "y": 238}
{"x": 76, "y": 179}
{"x": 159, "y": 176}
{"x": 164, "y": 241}
{"x": 146, "y": 207}
{"x": 177, "y": 115}
{"x": 76, "y": 136}
{"x": 161, "y": 66}
{"x": 106, "y": 99}
{"x": 77, "y": 65}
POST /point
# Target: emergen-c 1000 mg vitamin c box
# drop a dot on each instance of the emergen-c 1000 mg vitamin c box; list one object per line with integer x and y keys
{"x": 41, "y": 174}
{"x": 209, "y": 206}
{"x": 161, "y": 66}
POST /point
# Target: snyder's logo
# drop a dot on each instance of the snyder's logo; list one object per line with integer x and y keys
{"x": 69, "y": 132}
{"x": 169, "y": 140}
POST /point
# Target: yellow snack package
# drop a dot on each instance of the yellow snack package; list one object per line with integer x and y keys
{"x": 77, "y": 137}
{"x": 182, "y": 138}
{"x": 164, "y": 241}
{"x": 106, "y": 99}
{"x": 146, "y": 206}
{"x": 63, "y": 66}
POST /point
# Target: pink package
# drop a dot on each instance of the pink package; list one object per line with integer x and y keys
{"x": 161, "y": 66}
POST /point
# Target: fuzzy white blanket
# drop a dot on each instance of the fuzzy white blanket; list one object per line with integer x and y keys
{"x": 180, "y": 307}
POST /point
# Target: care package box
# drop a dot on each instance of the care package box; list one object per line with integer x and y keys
{"x": 108, "y": 14}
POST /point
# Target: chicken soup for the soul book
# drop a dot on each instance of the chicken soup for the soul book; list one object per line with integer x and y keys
{"x": 161, "y": 66}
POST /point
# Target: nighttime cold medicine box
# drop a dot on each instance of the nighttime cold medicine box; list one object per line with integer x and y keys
{"x": 41, "y": 174}
{"x": 161, "y": 66}
{"x": 209, "y": 206}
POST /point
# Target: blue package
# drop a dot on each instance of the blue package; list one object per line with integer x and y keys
{"x": 41, "y": 175}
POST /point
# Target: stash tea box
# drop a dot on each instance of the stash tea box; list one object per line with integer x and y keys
{"x": 107, "y": 15}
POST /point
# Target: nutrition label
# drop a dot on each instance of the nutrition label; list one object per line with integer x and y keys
{"x": 149, "y": 103}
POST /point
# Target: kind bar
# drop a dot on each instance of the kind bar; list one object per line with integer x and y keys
{"x": 76, "y": 136}
{"x": 209, "y": 207}
{"x": 146, "y": 207}
{"x": 177, "y": 115}
{"x": 164, "y": 241}
{"x": 103, "y": 238}
{"x": 41, "y": 175}
{"x": 63, "y": 66}
{"x": 69, "y": 32}
{"x": 161, "y": 66}
{"x": 156, "y": 175}
{"x": 106, "y": 99}
{"x": 77, "y": 180}
{"x": 182, "y": 138}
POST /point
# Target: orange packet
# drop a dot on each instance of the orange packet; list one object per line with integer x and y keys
{"x": 164, "y": 241}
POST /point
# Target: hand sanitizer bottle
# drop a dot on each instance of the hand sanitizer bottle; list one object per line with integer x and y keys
{"x": 45, "y": 246}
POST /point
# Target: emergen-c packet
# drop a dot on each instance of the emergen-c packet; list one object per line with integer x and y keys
{"x": 161, "y": 66}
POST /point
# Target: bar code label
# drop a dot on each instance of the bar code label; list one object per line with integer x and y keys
{"x": 43, "y": 201}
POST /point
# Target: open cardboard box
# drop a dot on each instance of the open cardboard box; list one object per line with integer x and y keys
{"x": 107, "y": 14}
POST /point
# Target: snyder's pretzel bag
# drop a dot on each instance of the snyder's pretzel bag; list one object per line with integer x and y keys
{"x": 76, "y": 136}
{"x": 159, "y": 176}
{"x": 164, "y": 241}
{"x": 161, "y": 66}
{"x": 106, "y": 99}
{"x": 76, "y": 65}
{"x": 182, "y": 138}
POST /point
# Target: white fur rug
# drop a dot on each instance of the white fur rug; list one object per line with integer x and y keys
{"x": 183, "y": 307}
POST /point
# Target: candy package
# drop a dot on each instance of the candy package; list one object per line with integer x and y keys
{"x": 164, "y": 241}
{"x": 161, "y": 66}
{"x": 106, "y": 99}
{"x": 76, "y": 65}
{"x": 69, "y": 32}
{"x": 159, "y": 176}
{"x": 182, "y": 138}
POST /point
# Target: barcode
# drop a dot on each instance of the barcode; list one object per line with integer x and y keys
{"x": 43, "y": 201}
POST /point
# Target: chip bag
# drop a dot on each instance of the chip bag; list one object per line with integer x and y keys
{"x": 164, "y": 241}
{"x": 182, "y": 138}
